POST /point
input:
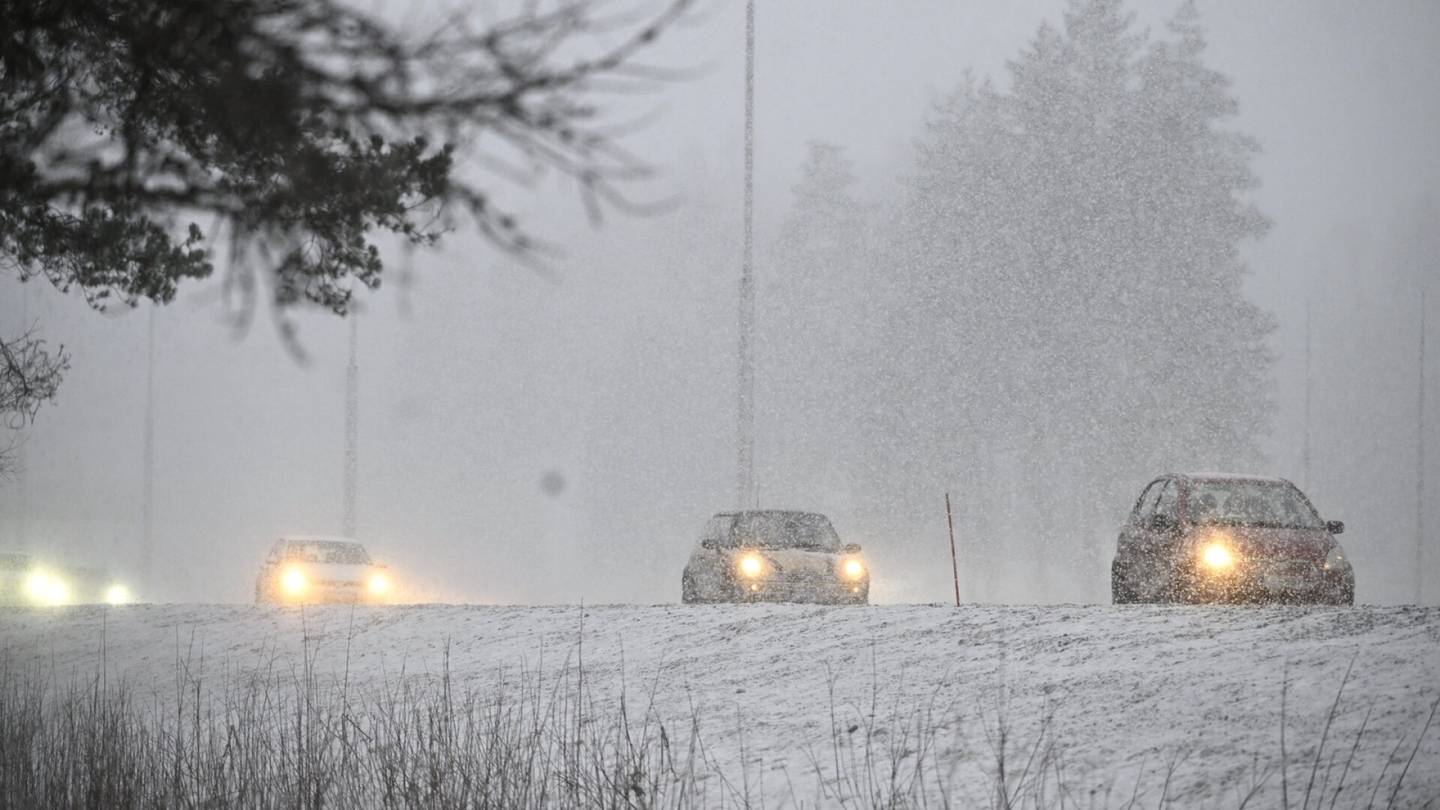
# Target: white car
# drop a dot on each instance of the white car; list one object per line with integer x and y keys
{"x": 310, "y": 569}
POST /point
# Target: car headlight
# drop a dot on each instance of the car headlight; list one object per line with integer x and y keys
{"x": 852, "y": 568}
{"x": 294, "y": 582}
{"x": 118, "y": 594}
{"x": 751, "y": 565}
{"x": 1336, "y": 559}
{"x": 45, "y": 588}
{"x": 1217, "y": 556}
{"x": 379, "y": 584}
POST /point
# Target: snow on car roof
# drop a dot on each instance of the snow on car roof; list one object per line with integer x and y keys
{"x": 753, "y": 512}
{"x": 1228, "y": 476}
{"x": 319, "y": 538}
{"x": 13, "y": 560}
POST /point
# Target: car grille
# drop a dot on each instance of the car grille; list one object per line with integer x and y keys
{"x": 802, "y": 585}
{"x": 802, "y": 579}
{"x": 1290, "y": 575}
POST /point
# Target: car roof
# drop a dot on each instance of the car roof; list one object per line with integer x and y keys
{"x": 14, "y": 559}
{"x": 310, "y": 539}
{"x": 776, "y": 512}
{"x": 1226, "y": 476}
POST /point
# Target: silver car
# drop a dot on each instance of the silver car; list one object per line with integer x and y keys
{"x": 774, "y": 556}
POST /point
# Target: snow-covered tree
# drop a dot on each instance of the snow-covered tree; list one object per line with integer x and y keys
{"x": 1070, "y": 316}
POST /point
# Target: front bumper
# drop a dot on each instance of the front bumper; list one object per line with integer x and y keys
{"x": 1273, "y": 582}
{"x": 327, "y": 595}
{"x": 817, "y": 592}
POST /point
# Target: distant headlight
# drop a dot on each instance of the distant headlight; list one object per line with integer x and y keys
{"x": 44, "y": 588}
{"x": 118, "y": 594}
{"x": 853, "y": 569}
{"x": 379, "y": 584}
{"x": 1217, "y": 556}
{"x": 294, "y": 582}
{"x": 751, "y": 565}
{"x": 1336, "y": 559}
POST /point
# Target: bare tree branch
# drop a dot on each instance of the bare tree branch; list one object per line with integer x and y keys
{"x": 29, "y": 377}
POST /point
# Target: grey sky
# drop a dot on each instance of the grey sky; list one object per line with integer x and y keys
{"x": 619, "y": 373}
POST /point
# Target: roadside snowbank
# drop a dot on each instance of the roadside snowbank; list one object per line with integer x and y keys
{"x": 1123, "y": 694}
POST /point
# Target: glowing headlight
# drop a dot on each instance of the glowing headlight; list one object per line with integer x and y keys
{"x": 853, "y": 569}
{"x": 1217, "y": 556}
{"x": 1336, "y": 559}
{"x": 379, "y": 584}
{"x": 293, "y": 581}
{"x": 117, "y": 595}
{"x": 44, "y": 588}
{"x": 751, "y": 565}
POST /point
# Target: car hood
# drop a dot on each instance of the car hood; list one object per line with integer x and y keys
{"x": 1279, "y": 544}
{"x": 336, "y": 572}
{"x": 793, "y": 560}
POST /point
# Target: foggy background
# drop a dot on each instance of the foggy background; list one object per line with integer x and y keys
{"x": 485, "y": 383}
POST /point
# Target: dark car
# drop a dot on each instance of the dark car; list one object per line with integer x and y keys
{"x": 1229, "y": 538}
{"x": 774, "y": 556}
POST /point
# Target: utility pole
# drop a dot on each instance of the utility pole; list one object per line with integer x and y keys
{"x": 1309, "y": 382}
{"x": 1420, "y": 467}
{"x": 352, "y": 431}
{"x": 147, "y": 492}
{"x": 746, "y": 485}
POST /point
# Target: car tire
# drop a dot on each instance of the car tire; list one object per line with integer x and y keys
{"x": 1120, "y": 593}
{"x": 689, "y": 594}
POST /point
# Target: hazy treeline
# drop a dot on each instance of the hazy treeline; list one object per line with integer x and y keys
{"x": 1051, "y": 306}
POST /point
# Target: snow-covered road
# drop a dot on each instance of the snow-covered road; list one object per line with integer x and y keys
{"x": 1132, "y": 690}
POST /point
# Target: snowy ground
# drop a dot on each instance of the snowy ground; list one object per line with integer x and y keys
{"x": 1134, "y": 691}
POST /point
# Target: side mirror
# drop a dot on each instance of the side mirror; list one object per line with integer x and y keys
{"x": 1335, "y": 526}
{"x": 709, "y": 542}
{"x": 851, "y": 548}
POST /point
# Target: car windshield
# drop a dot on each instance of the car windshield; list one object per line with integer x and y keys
{"x": 326, "y": 551}
{"x": 14, "y": 562}
{"x": 786, "y": 530}
{"x": 1269, "y": 504}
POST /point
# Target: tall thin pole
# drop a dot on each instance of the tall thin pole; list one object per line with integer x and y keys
{"x": 352, "y": 431}
{"x": 1309, "y": 383}
{"x": 746, "y": 484}
{"x": 954, "y": 565}
{"x": 21, "y": 490}
{"x": 1420, "y": 468}
{"x": 147, "y": 485}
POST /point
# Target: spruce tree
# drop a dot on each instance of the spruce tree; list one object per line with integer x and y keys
{"x": 1071, "y": 308}
{"x": 814, "y": 329}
